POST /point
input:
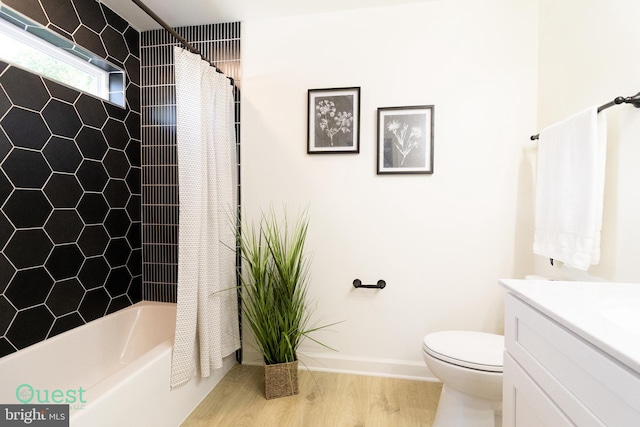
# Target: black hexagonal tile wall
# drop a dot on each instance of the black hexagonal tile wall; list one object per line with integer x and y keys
{"x": 26, "y": 169}
{"x": 134, "y": 263}
{"x": 90, "y": 41}
{"x": 28, "y": 248}
{"x": 62, "y": 13}
{"x": 65, "y": 297}
{"x": 93, "y": 240}
{"x": 94, "y": 304}
{"x": 117, "y": 252}
{"x": 134, "y": 180}
{"x": 114, "y": 20}
{"x": 65, "y": 185}
{"x": 7, "y": 272}
{"x": 29, "y": 288}
{"x": 64, "y": 262}
{"x": 94, "y": 272}
{"x": 133, "y": 125}
{"x": 116, "y": 134}
{"x": 5, "y": 104}
{"x": 132, "y": 37}
{"x": 61, "y": 92}
{"x": 64, "y": 226}
{"x": 134, "y": 235}
{"x": 7, "y": 313}
{"x": 115, "y": 44}
{"x": 5, "y": 145}
{"x": 134, "y": 209}
{"x": 116, "y": 163}
{"x": 27, "y": 208}
{"x": 115, "y": 112}
{"x": 30, "y": 326}
{"x": 118, "y": 303}
{"x": 132, "y": 65}
{"x": 92, "y": 143}
{"x": 133, "y": 96}
{"x": 133, "y": 152}
{"x": 117, "y": 223}
{"x": 25, "y": 128}
{"x": 6, "y": 230}
{"x": 117, "y": 193}
{"x": 5, "y": 187}
{"x": 65, "y": 323}
{"x": 91, "y": 111}
{"x": 91, "y": 15}
{"x": 25, "y": 89}
{"x": 62, "y": 118}
{"x": 62, "y": 154}
{"x": 63, "y": 191}
{"x": 118, "y": 281}
{"x": 93, "y": 208}
{"x": 135, "y": 289}
{"x": 92, "y": 175}
{"x": 6, "y": 347}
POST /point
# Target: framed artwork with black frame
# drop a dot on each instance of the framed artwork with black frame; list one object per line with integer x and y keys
{"x": 405, "y": 140}
{"x": 333, "y": 120}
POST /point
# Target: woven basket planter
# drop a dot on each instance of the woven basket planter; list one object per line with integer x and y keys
{"x": 281, "y": 379}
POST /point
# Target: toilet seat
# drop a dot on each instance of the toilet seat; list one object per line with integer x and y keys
{"x": 475, "y": 350}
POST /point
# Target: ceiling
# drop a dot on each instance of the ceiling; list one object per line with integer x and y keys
{"x": 178, "y": 13}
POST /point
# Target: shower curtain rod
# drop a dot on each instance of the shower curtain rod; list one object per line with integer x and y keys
{"x": 177, "y": 36}
{"x": 634, "y": 100}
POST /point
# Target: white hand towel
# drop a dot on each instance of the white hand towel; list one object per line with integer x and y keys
{"x": 570, "y": 189}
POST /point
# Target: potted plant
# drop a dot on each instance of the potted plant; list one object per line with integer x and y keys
{"x": 275, "y": 278}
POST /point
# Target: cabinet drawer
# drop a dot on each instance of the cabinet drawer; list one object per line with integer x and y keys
{"x": 525, "y": 404}
{"x": 592, "y": 388}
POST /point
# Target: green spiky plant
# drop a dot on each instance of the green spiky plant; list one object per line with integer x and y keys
{"x": 275, "y": 281}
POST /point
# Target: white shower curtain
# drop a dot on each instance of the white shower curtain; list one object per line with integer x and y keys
{"x": 207, "y": 317}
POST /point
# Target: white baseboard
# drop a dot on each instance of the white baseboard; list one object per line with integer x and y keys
{"x": 340, "y": 363}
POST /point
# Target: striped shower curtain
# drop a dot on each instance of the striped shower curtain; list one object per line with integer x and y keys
{"x": 207, "y": 316}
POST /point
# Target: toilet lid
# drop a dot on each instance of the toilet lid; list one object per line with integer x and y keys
{"x": 475, "y": 350}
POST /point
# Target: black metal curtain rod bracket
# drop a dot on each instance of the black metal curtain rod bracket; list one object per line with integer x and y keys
{"x": 633, "y": 100}
{"x": 357, "y": 283}
{"x": 177, "y": 36}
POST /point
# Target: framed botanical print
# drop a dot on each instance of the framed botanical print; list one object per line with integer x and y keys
{"x": 333, "y": 120}
{"x": 405, "y": 140}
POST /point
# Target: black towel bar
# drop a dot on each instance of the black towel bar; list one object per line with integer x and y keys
{"x": 357, "y": 283}
{"x": 633, "y": 100}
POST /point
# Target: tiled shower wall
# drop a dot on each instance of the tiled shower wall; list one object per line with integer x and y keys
{"x": 221, "y": 44}
{"x": 70, "y": 246}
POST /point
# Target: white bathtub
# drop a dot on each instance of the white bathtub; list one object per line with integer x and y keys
{"x": 113, "y": 371}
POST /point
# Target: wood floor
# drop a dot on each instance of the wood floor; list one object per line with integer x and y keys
{"x": 325, "y": 400}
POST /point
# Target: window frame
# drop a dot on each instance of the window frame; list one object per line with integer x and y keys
{"x": 100, "y": 76}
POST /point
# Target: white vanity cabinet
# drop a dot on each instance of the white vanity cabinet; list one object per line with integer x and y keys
{"x": 557, "y": 373}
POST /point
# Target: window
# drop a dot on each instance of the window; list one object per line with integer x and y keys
{"x": 56, "y": 58}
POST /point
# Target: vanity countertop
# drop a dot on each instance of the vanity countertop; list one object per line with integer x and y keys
{"x": 605, "y": 314}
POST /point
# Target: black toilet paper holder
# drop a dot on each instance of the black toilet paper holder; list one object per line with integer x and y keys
{"x": 357, "y": 283}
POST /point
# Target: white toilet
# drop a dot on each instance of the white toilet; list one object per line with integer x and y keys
{"x": 469, "y": 364}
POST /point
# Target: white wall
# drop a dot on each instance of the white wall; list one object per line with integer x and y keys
{"x": 588, "y": 56}
{"x": 442, "y": 241}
